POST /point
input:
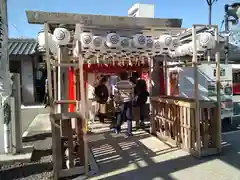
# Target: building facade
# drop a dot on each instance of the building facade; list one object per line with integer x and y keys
{"x": 24, "y": 59}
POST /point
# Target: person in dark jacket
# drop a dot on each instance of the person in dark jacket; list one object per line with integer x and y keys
{"x": 141, "y": 97}
{"x": 102, "y": 94}
{"x": 46, "y": 96}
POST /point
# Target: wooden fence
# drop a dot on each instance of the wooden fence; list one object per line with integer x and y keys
{"x": 173, "y": 120}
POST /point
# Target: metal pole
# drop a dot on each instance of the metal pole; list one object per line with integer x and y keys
{"x": 210, "y": 12}
{"x": 209, "y": 22}
{"x": 226, "y": 45}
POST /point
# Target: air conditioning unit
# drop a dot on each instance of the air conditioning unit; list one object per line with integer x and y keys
{"x": 61, "y": 36}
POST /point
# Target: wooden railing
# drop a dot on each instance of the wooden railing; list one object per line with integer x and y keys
{"x": 68, "y": 150}
{"x": 173, "y": 120}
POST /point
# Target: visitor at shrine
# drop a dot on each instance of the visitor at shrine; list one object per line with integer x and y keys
{"x": 46, "y": 96}
{"x": 141, "y": 95}
{"x": 124, "y": 96}
{"x": 101, "y": 95}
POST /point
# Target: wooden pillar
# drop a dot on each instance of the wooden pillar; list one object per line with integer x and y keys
{"x": 219, "y": 122}
{"x": 64, "y": 81}
{"x": 150, "y": 86}
{"x": 156, "y": 76}
{"x": 196, "y": 96}
{"x": 56, "y": 141}
{"x": 83, "y": 110}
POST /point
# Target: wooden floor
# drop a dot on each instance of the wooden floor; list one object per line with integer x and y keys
{"x": 143, "y": 157}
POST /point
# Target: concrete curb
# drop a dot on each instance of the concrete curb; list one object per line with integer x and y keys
{"x": 24, "y": 156}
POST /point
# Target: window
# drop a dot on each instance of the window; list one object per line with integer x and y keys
{"x": 236, "y": 77}
{"x": 222, "y": 72}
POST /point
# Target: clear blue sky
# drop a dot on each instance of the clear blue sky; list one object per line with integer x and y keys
{"x": 191, "y": 11}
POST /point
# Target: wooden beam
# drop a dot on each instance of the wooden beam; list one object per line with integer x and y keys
{"x": 40, "y": 17}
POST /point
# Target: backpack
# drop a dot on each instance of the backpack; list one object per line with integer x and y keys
{"x": 101, "y": 93}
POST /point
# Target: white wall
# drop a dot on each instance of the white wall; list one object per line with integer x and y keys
{"x": 141, "y": 10}
{"x": 146, "y": 10}
{"x": 27, "y": 81}
{"x": 1, "y": 132}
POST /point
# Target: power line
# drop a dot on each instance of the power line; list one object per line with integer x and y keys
{"x": 17, "y": 30}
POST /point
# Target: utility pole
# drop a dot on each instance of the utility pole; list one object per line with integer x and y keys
{"x": 226, "y": 43}
{"x": 4, "y": 61}
{"x": 210, "y": 4}
{"x": 5, "y": 82}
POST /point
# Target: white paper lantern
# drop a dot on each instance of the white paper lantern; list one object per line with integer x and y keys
{"x": 51, "y": 43}
{"x": 97, "y": 43}
{"x": 165, "y": 41}
{"x": 149, "y": 44}
{"x": 86, "y": 39}
{"x": 139, "y": 41}
{"x": 174, "y": 43}
{"x": 125, "y": 43}
{"x": 186, "y": 49}
{"x": 157, "y": 49}
{"x": 206, "y": 40}
{"x": 41, "y": 39}
{"x": 61, "y": 36}
{"x": 113, "y": 40}
{"x": 172, "y": 54}
{"x": 179, "y": 51}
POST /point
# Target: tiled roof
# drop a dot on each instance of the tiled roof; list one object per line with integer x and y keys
{"x": 22, "y": 46}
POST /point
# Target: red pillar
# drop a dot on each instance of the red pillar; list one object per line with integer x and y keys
{"x": 71, "y": 88}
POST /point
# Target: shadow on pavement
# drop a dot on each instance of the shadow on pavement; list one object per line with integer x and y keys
{"x": 28, "y": 170}
{"x": 124, "y": 158}
{"x": 37, "y": 137}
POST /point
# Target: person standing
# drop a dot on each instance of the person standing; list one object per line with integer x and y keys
{"x": 102, "y": 94}
{"x": 140, "y": 97}
{"x": 46, "y": 97}
{"x": 124, "y": 96}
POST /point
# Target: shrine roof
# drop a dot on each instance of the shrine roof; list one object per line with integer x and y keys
{"x": 22, "y": 46}
{"x": 54, "y": 19}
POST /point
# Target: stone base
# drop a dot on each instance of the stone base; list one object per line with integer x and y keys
{"x": 24, "y": 156}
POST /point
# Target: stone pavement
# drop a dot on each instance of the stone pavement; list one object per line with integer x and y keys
{"x": 144, "y": 157}
{"x": 28, "y": 115}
